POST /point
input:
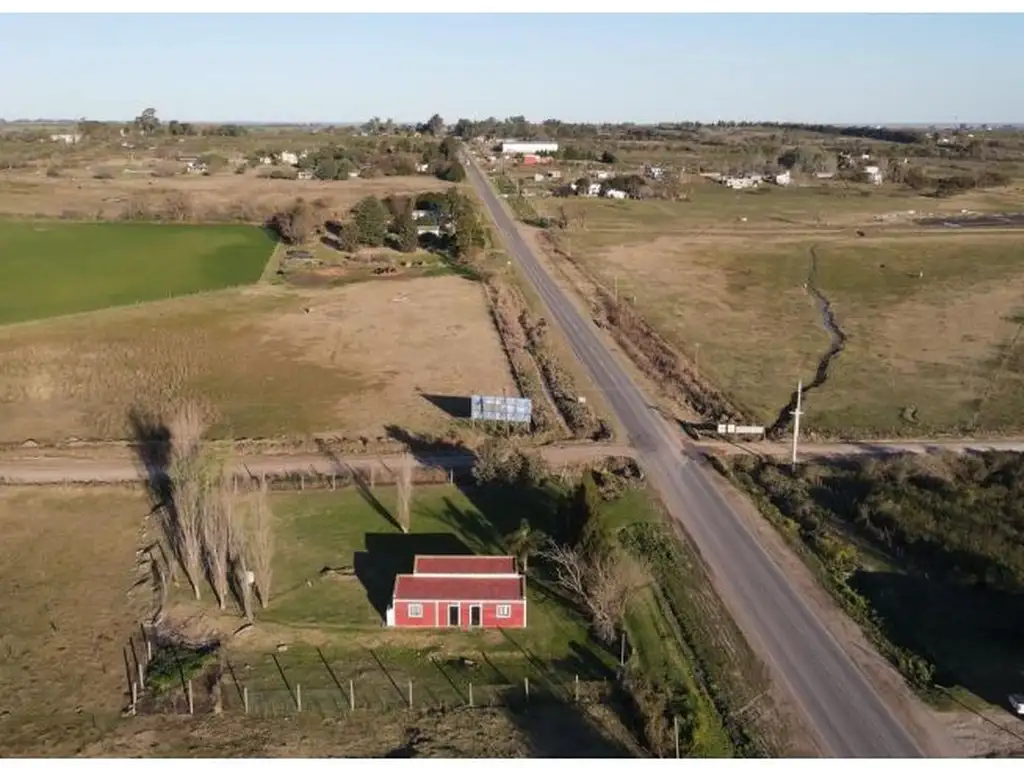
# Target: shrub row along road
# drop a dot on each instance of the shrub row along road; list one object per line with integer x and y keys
{"x": 849, "y": 718}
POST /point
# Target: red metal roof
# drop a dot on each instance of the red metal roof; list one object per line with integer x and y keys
{"x": 458, "y": 564}
{"x": 412, "y": 587}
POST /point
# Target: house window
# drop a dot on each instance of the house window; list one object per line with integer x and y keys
{"x": 415, "y": 610}
{"x": 504, "y": 611}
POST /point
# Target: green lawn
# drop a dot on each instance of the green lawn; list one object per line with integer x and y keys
{"x": 342, "y": 613}
{"x": 58, "y": 268}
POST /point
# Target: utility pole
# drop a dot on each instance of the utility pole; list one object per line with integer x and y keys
{"x": 796, "y": 418}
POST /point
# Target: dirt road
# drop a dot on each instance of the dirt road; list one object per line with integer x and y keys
{"x": 59, "y": 469}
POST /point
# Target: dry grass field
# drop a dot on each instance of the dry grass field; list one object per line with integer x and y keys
{"x": 932, "y": 317}
{"x": 67, "y": 558}
{"x": 270, "y": 360}
{"x": 244, "y": 197}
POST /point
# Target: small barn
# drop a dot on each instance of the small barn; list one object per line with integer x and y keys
{"x": 462, "y": 591}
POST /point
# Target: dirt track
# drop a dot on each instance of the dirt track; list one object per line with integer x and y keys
{"x": 55, "y": 467}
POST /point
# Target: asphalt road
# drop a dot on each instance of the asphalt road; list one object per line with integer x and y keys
{"x": 848, "y": 716}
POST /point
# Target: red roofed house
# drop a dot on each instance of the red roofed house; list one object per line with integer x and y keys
{"x": 459, "y": 591}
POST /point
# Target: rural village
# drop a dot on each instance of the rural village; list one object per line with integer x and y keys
{"x": 355, "y": 440}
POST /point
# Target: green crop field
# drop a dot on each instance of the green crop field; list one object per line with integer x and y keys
{"x": 58, "y": 268}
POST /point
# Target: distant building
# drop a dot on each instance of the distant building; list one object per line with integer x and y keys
{"x": 654, "y": 172}
{"x": 289, "y": 158}
{"x": 593, "y": 190}
{"x": 616, "y": 194}
{"x": 459, "y": 591}
{"x": 423, "y": 168}
{"x": 305, "y": 176}
{"x": 873, "y": 173}
{"x": 66, "y": 138}
{"x": 554, "y": 174}
{"x": 783, "y": 179}
{"x": 530, "y": 159}
{"x": 528, "y": 147}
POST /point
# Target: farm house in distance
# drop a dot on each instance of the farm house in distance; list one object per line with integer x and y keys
{"x": 459, "y": 591}
{"x": 528, "y": 147}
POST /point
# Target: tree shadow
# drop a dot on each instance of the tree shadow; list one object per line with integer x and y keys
{"x": 972, "y": 634}
{"x": 151, "y": 442}
{"x": 427, "y": 449}
{"x": 556, "y": 729}
{"x": 456, "y": 406}
{"x": 366, "y": 494}
{"x": 388, "y": 554}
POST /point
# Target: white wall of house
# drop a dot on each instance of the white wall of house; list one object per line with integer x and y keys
{"x": 615, "y": 194}
{"x": 528, "y": 147}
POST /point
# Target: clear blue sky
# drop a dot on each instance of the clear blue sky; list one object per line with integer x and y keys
{"x": 342, "y": 68}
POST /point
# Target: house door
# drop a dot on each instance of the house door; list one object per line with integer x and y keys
{"x": 453, "y": 615}
{"x": 475, "y": 616}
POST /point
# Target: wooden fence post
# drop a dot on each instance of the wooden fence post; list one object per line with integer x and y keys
{"x": 526, "y": 687}
{"x": 135, "y": 697}
{"x": 298, "y": 697}
{"x": 142, "y": 676}
{"x": 410, "y": 693}
{"x": 334, "y": 487}
{"x": 352, "y": 695}
{"x": 302, "y": 481}
{"x": 675, "y": 728}
{"x": 191, "y": 701}
{"x": 245, "y": 700}
{"x": 149, "y": 651}
{"x": 576, "y": 689}
{"x": 471, "y": 694}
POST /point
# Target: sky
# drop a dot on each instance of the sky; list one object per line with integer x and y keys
{"x": 830, "y": 68}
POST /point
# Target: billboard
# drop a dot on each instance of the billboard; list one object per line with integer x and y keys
{"x": 518, "y": 410}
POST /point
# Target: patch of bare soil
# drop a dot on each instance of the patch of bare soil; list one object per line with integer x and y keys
{"x": 410, "y": 337}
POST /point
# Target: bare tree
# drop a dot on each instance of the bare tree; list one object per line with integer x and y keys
{"x": 216, "y": 529}
{"x": 187, "y": 503}
{"x": 600, "y": 583}
{"x": 189, "y": 472}
{"x": 238, "y": 556}
{"x": 261, "y": 543}
{"x": 404, "y": 491}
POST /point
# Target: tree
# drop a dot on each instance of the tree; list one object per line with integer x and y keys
{"x": 406, "y": 232}
{"x": 326, "y": 169}
{"x": 399, "y": 205}
{"x": 348, "y": 237}
{"x": 261, "y": 543}
{"x": 435, "y": 125}
{"x": 147, "y": 122}
{"x": 449, "y": 148}
{"x": 371, "y": 220}
{"x": 453, "y": 172}
{"x": 600, "y": 582}
{"x": 523, "y": 542}
{"x": 216, "y": 528}
{"x": 183, "y": 513}
{"x": 297, "y": 223}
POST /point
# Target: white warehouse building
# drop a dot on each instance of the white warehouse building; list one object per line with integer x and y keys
{"x": 528, "y": 147}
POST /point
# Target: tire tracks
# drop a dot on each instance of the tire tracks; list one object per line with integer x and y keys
{"x": 838, "y": 343}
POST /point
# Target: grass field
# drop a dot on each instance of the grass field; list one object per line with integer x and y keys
{"x": 225, "y": 195}
{"x": 56, "y": 268}
{"x": 930, "y": 317}
{"x": 67, "y": 558}
{"x": 67, "y": 621}
{"x": 716, "y": 209}
{"x": 361, "y": 358}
